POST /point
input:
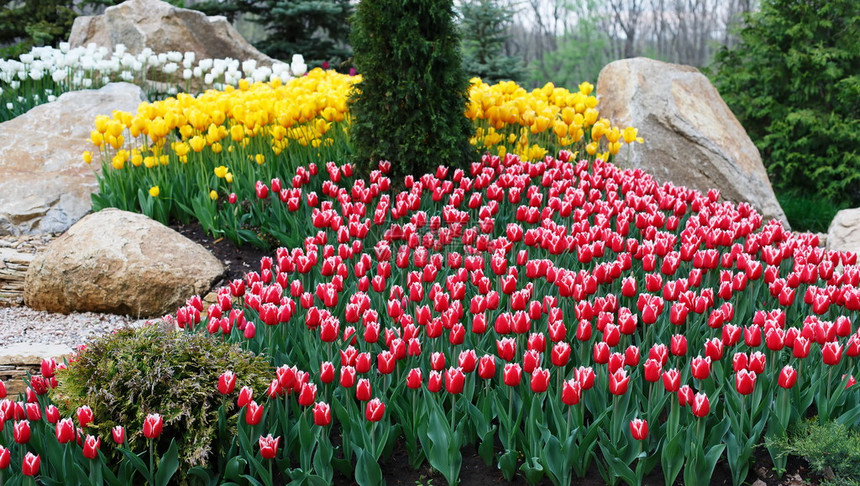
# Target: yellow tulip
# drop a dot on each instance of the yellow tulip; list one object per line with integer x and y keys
{"x": 213, "y": 195}
{"x": 102, "y": 122}
{"x": 197, "y": 143}
{"x": 260, "y": 158}
{"x": 97, "y": 138}
{"x": 630, "y": 135}
{"x": 228, "y": 177}
{"x": 221, "y": 171}
{"x": 586, "y": 88}
{"x": 87, "y": 156}
{"x": 591, "y": 148}
{"x": 154, "y": 191}
{"x": 237, "y": 133}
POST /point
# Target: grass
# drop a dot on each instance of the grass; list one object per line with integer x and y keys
{"x": 808, "y": 212}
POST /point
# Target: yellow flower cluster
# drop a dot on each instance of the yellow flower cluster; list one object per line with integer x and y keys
{"x": 302, "y": 111}
{"x": 266, "y": 118}
{"x": 530, "y": 124}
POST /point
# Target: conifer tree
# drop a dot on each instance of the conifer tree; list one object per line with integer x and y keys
{"x": 484, "y": 28}
{"x": 409, "y": 107}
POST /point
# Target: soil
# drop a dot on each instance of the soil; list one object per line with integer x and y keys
{"x": 474, "y": 472}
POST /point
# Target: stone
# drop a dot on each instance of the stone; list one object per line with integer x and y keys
{"x": 162, "y": 27}
{"x": 31, "y": 355}
{"x": 119, "y": 262}
{"x": 843, "y": 234}
{"x": 45, "y": 185}
{"x": 691, "y": 136}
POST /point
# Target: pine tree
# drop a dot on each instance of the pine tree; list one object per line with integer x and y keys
{"x": 409, "y": 107}
{"x": 485, "y": 30}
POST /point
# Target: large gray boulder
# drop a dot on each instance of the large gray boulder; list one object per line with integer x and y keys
{"x": 691, "y": 136}
{"x": 121, "y": 263}
{"x": 162, "y": 27}
{"x": 45, "y": 185}
{"x": 844, "y": 231}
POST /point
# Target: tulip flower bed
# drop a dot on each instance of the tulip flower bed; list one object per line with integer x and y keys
{"x": 45, "y": 73}
{"x": 557, "y": 315}
{"x": 200, "y": 157}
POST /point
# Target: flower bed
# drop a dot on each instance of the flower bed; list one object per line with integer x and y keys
{"x": 202, "y": 157}
{"x": 559, "y": 315}
{"x": 45, "y": 73}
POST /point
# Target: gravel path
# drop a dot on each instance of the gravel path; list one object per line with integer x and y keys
{"x": 20, "y": 324}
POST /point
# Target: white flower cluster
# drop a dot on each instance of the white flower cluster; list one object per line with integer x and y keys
{"x": 93, "y": 66}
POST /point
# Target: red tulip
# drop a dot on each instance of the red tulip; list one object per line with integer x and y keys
{"x": 48, "y": 366}
{"x": 363, "y": 390}
{"x": 757, "y": 362}
{"x": 787, "y": 377}
{"x": 154, "y": 422}
{"x": 85, "y": 416}
{"x": 65, "y": 431}
{"x": 5, "y": 458}
{"x": 437, "y": 361}
{"x": 700, "y": 405}
{"x": 226, "y": 383}
{"x": 468, "y": 360}
{"x": 375, "y": 410}
{"x": 601, "y": 352}
{"x": 571, "y": 392}
{"x": 21, "y": 432}
{"x": 30, "y": 464}
{"x": 386, "y": 362}
{"x": 700, "y": 367}
{"x": 745, "y": 381}
{"x": 434, "y": 381}
{"x": 91, "y": 446}
{"x": 322, "y": 414}
{"x": 52, "y": 414}
{"x": 714, "y": 349}
{"x": 671, "y": 380}
{"x": 685, "y": 395}
{"x": 831, "y": 353}
{"x": 740, "y": 361}
{"x": 639, "y": 429}
{"x": 246, "y": 394}
{"x": 618, "y": 382}
{"x": 326, "y": 372}
{"x": 540, "y": 380}
{"x": 652, "y": 370}
{"x": 454, "y": 380}
{"x": 631, "y": 356}
{"x": 752, "y": 336}
{"x": 269, "y": 446}
{"x": 118, "y": 434}
{"x": 362, "y": 362}
{"x": 347, "y": 376}
{"x": 512, "y": 374}
{"x": 253, "y": 416}
{"x": 414, "y": 378}
{"x": 531, "y": 360}
{"x": 33, "y": 411}
{"x": 560, "y": 354}
{"x": 307, "y": 394}
{"x": 678, "y": 345}
{"x": 585, "y": 376}
{"x": 506, "y": 348}
{"x": 487, "y": 367}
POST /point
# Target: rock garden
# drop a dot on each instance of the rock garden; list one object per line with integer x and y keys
{"x": 221, "y": 268}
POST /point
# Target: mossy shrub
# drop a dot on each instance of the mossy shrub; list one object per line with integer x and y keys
{"x": 153, "y": 369}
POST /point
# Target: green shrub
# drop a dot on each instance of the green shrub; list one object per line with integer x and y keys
{"x": 409, "y": 106}
{"x": 794, "y": 83}
{"x": 133, "y": 372}
{"x": 832, "y": 450}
